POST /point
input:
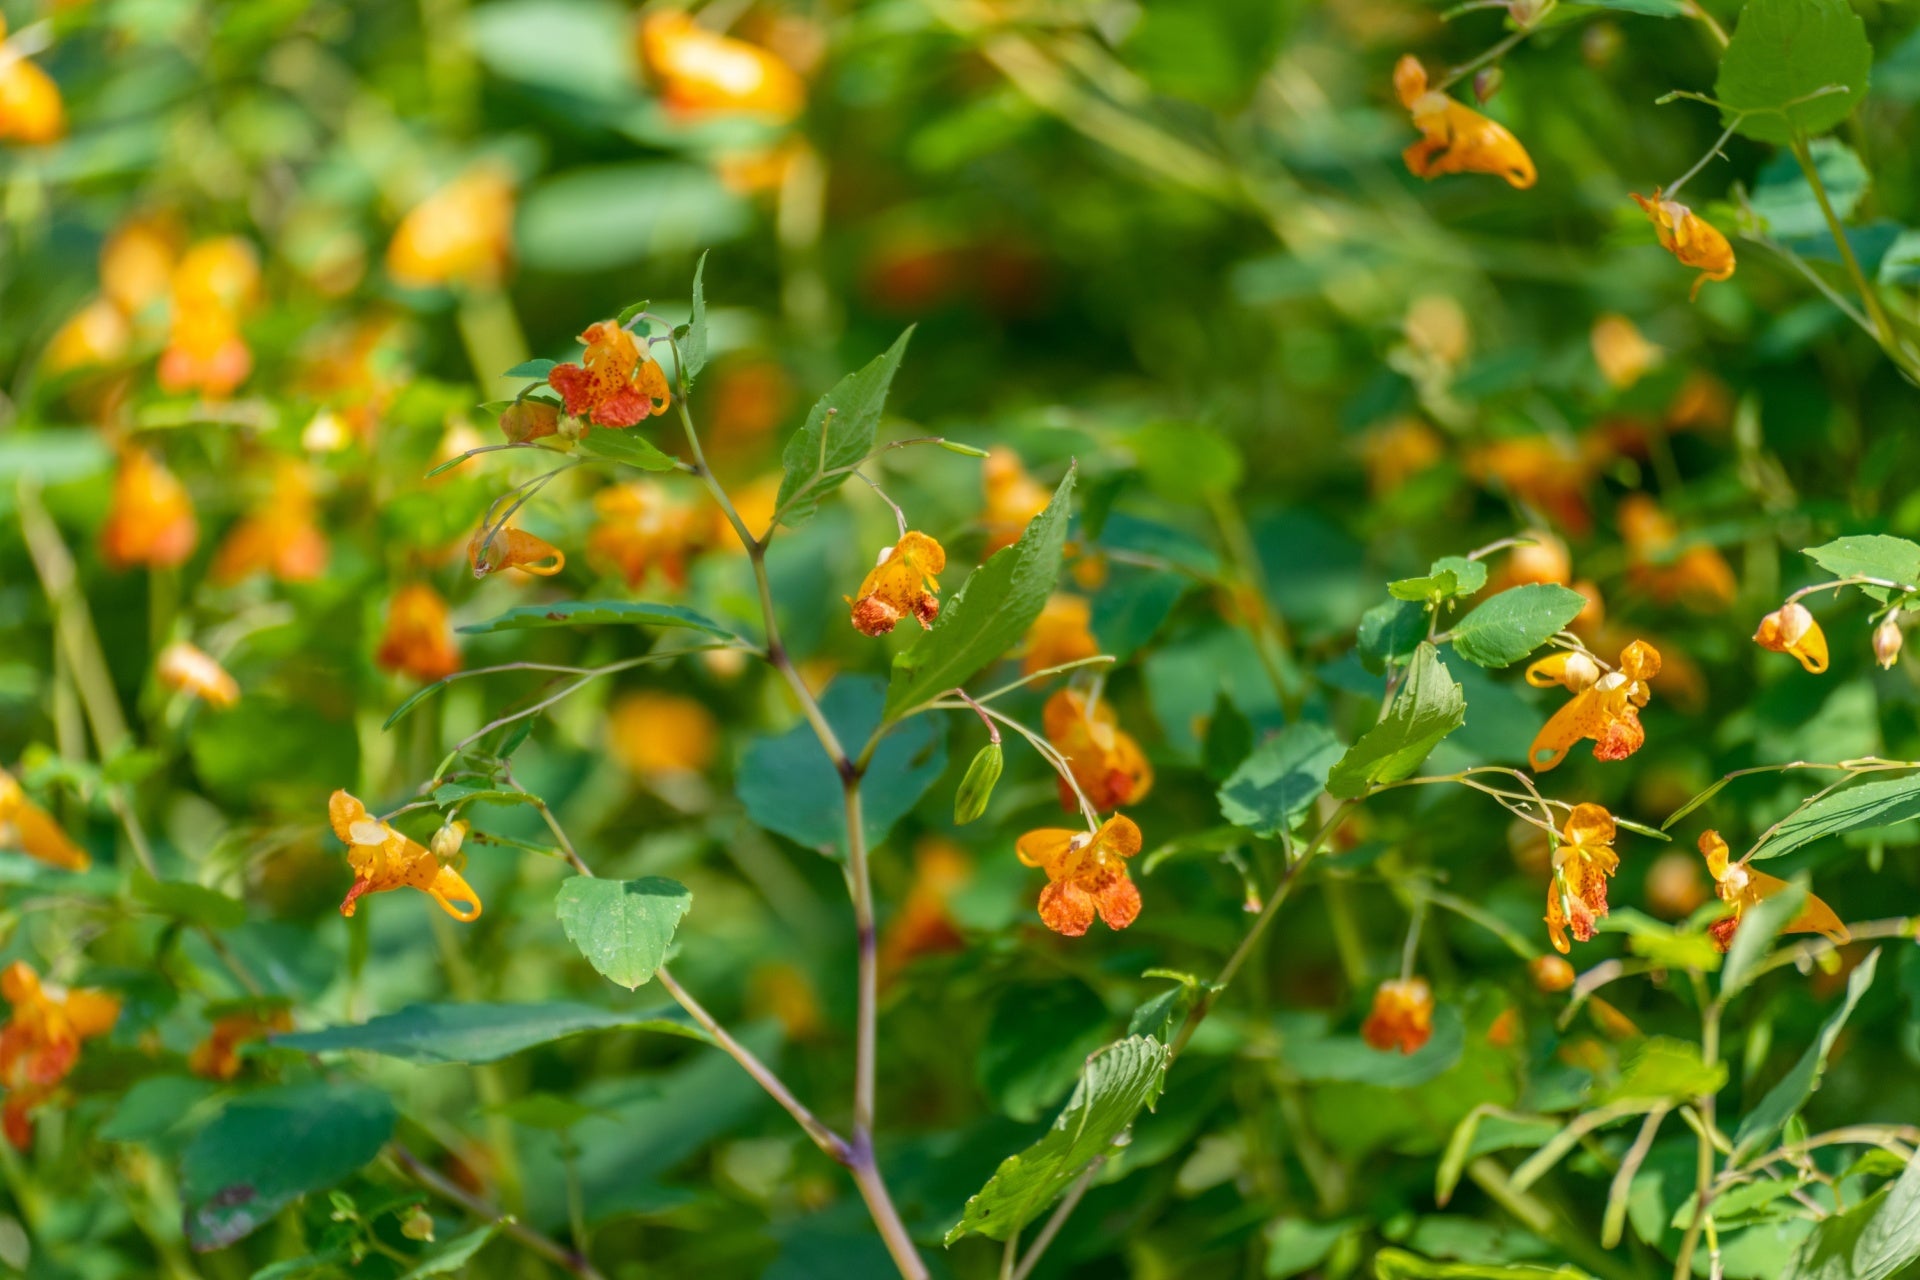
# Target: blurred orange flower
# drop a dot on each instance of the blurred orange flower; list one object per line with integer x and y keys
{"x": 419, "y": 639}
{"x": 1061, "y": 634}
{"x": 512, "y": 548}
{"x": 1791, "y": 629}
{"x": 1545, "y": 472}
{"x": 137, "y": 262}
{"x": 1550, "y": 974}
{"x": 924, "y": 924}
{"x": 1606, "y": 710}
{"x": 1740, "y": 886}
{"x": 614, "y": 385}
{"x": 24, "y": 825}
{"x": 1397, "y": 451}
{"x": 188, "y": 669}
{"x": 1401, "y": 1017}
{"x": 462, "y": 234}
{"x": 1696, "y": 575}
{"x": 655, "y": 733}
{"x": 642, "y": 527}
{"x": 904, "y": 582}
{"x": 1086, "y": 874}
{"x": 279, "y": 536}
{"x": 1622, "y": 351}
{"x": 1014, "y": 498}
{"x": 525, "y": 420}
{"x": 1455, "y": 138}
{"x": 95, "y": 335}
{"x": 1690, "y": 238}
{"x": 383, "y": 859}
{"x": 218, "y": 1056}
{"x": 30, "y": 108}
{"x": 1104, "y": 759}
{"x": 699, "y": 71}
{"x": 41, "y": 1041}
{"x": 212, "y": 286}
{"x": 150, "y": 520}
{"x": 1582, "y": 862}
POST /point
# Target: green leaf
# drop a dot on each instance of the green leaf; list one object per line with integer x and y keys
{"x": 693, "y": 347}
{"x": 1116, "y": 1083}
{"x": 184, "y": 900}
{"x": 1785, "y": 1099}
{"x": 1397, "y": 1264}
{"x": 1312, "y": 1055}
{"x": 1863, "y": 806}
{"x": 1871, "y": 1241}
{"x": 1296, "y": 1245}
{"x": 1651, "y": 8}
{"x": 583, "y": 613}
{"x": 590, "y": 219}
{"x": 1186, "y": 463}
{"x": 623, "y": 927}
{"x": 1514, "y": 623}
{"x": 455, "y": 1253}
{"x": 1468, "y": 575}
{"x": 837, "y": 435}
{"x": 632, "y": 309}
{"x": 1429, "y": 706}
{"x": 1668, "y": 1070}
{"x": 1758, "y": 928}
{"x": 1872, "y": 555}
{"x": 1785, "y": 200}
{"x": 52, "y": 457}
{"x": 790, "y": 787}
{"x": 1037, "y": 1040}
{"x": 1284, "y": 775}
{"x": 1785, "y": 51}
{"x": 532, "y": 369}
{"x": 1161, "y": 1016}
{"x": 155, "y": 1105}
{"x": 434, "y": 1033}
{"x": 626, "y": 445}
{"x": 455, "y": 793}
{"x": 1435, "y": 586}
{"x": 1390, "y": 632}
{"x": 272, "y": 1146}
{"x": 988, "y": 615}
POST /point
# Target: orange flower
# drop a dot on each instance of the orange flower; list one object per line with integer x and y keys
{"x": 1086, "y": 874}
{"x": 614, "y": 385}
{"x": 95, "y": 335}
{"x": 1455, "y": 138}
{"x": 1673, "y": 888}
{"x": 1791, "y": 629}
{"x": 902, "y": 582}
{"x": 1690, "y": 238}
{"x": 1740, "y": 886}
{"x": 698, "y": 71}
{"x": 461, "y": 234}
{"x": 280, "y": 536}
{"x": 924, "y": 924}
{"x": 24, "y": 825}
{"x": 41, "y": 1041}
{"x": 419, "y": 637}
{"x": 1622, "y": 351}
{"x": 184, "y": 668}
{"x": 1061, "y": 634}
{"x": 1697, "y": 575}
{"x": 1397, "y": 451}
{"x": 1014, "y": 498}
{"x": 383, "y": 859}
{"x": 641, "y": 527}
{"x": 1542, "y": 471}
{"x": 150, "y": 520}
{"x": 137, "y": 262}
{"x": 224, "y": 270}
{"x": 30, "y": 106}
{"x": 213, "y": 284}
{"x": 525, "y": 420}
{"x": 218, "y": 1056}
{"x": 511, "y": 548}
{"x": 1550, "y": 974}
{"x": 1606, "y": 710}
{"x": 1582, "y": 863}
{"x": 1401, "y": 1017}
{"x": 655, "y": 733}
{"x": 1105, "y": 760}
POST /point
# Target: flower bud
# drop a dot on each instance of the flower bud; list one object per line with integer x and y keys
{"x": 1887, "y": 639}
{"x": 1486, "y": 83}
{"x": 1550, "y": 973}
{"x": 417, "y": 1224}
{"x": 970, "y": 801}
{"x": 446, "y": 844}
{"x": 526, "y": 420}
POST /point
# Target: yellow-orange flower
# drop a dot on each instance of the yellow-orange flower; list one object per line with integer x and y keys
{"x": 137, "y": 262}
{"x": 1740, "y": 886}
{"x": 1401, "y": 1017}
{"x": 96, "y": 334}
{"x": 1086, "y": 874}
{"x": 461, "y": 234}
{"x": 150, "y": 520}
{"x": 1105, "y": 760}
{"x": 1621, "y": 350}
{"x": 1791, "y": 629}
{"x": 27, "y": 827}
{"x": 1545, "y": 472}
{"x": 30, "y": 107}
{"x": 418, "y": 640}
{"x": 41, "y": 1041}
{"x": 213, "y": 284}
{"x": 218, "y": 1056}
{"x": 1606, "y": 710}
{"x": 1690, "y": 238}
{"x": 1061, "y": 634}
{"x": 698, "y": 71}
{"x": 655, "y": 733}
{"x": 1697, "y": 575}
{"x": 904, "y": 582}
{"x": 191, "y": 670}
{"x": 1397, "y": 451}
{"x": 525, "y": 420}
{"x": 511, "y": 548}
{"x": 280, "y": 536}
{"x": 614, "y": 385}
{"x": 1014, "y": 498}
{"x": 1454, "y": 137}
{"x": 642, "y": 527}
{"x": 383, "y": 859}
{"x": 1582, "y": 862}
{"x": 924, "y": 924}
{"x": 1550, "y": 974}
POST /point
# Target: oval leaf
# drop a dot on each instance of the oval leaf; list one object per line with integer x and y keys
{"x": 1514, "y": 623}
{"x": 578, "y": 613}
{"x": 1784, "y": 53}
{"x": 623, "y": 927}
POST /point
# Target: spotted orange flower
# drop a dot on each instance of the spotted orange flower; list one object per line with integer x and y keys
{"x": 1622, "y": 351}
{"x": 1791, "y": 629}
{"x": 1086, "y": 874}
{"x": 1401, "y": 1017}
{"x": 641, "y": 527}
{"x": 1607, "y": 710}
{"x": 614, "y": 385}
{"x": 218, "y": 1056}
{"x": 700, "y": 72}
{"x": 511, "y": 548}
{"x": 418, "y": 640}
{"x": 1740, "y": 886}
{"x": 1583, "y": 861}
{"x": 383, "y": 859}
{"x": 924, "y": 924}
{"x": 41, "y": 1042}
{"x": 1105, "y": 760}
{"x": 1690, "y": 238}
{"x": 462, "y": 234}
{"x": 150, "y": 520}
{"x": 31, "y": 111}
{"x": 188, "y": 669}
{"x": 27, "y": 827}
{"x": 1454, "y": 137}
{"x": 1696, "y": 575}
{"x": 903, "y": 583}
{"x": 280, "y": 536}
{"x": 1014, "y": 498}
{"x": 1061, "y": 634}
{"x": 655, "y": 733}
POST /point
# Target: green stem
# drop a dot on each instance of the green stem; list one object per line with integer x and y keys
{"x": 1869, "y": 296}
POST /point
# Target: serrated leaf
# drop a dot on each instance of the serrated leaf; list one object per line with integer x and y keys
{"x": 1873, "y": 555}
{"x": 626, "y": 445}
{"x": 1785, "y": 1099}
{"x": 580, "y": 613}
{"x": 1116, "y": 1083}
{"x": 1873, "y": 1240}
{"x": 1429, "y": 706}
{"x": 1784, "y": 52}
{"x": 1863, "y": 806}
{"x": 1514, "y": 623}
{"x": 1284, "y": 775}
{"x": 693, "y": 347}
{"x": 1468, "y": 575}
{"x": 623, "y": 927}
{"x": 837, "y": 435}
{"x": 990, "y": 612}
{"x": 436, "y": 1033}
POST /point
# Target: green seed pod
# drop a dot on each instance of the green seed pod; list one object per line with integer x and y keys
{"x": 970, "y": 801}
{"x": 965, "y": 450}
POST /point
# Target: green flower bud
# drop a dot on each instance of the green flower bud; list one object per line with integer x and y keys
{"x": 970, "y": 801}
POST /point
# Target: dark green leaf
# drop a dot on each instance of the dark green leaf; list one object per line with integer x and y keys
{"x": 1514, "y": 623}
{"x": 1284, "y": 775}
{"x": 1390, "y": 632}
{"x": 531, "y": 369}
{"x": 580, "y": 613}
{"x": 1428, "y": 707}
{"x": 1860, "y": 807}
{"x": 837, "y": 435}
{"x": 1785, "y": 201}
{"x": 1871, "y": 1241}
{"x": 626, "y": 445}
{"x": 1783, "y": 53}
{"x": 1313, "y": 1055}
{"x": 153, "y": 1106}
{"x": 623, "y": 927}
{"x": 1037, "y": 1039}
{"x": 432, "y": 1033}
{"x": 1785, "y": 1099}
{"x": 693, "y": 347}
